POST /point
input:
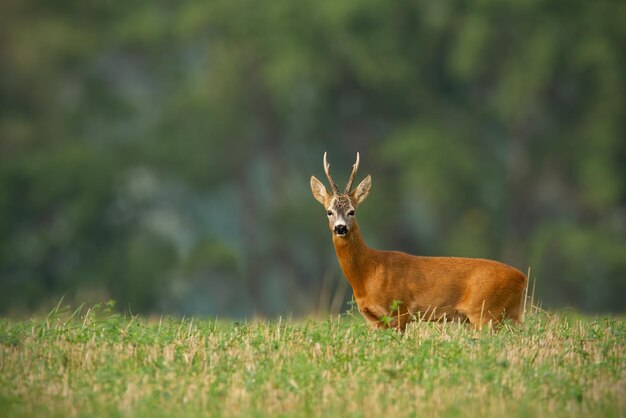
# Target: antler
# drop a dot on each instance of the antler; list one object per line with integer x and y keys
{"x": 355, "y": 168}
{"x": 330, "y": 179}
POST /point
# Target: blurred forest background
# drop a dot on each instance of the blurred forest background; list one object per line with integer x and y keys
{"x": 159, "y": 153}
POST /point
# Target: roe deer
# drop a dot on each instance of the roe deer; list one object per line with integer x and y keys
{"x": 392, "y": 287}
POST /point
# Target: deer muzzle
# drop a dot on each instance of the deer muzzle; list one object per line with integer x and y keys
{"x": 341, "y": 229}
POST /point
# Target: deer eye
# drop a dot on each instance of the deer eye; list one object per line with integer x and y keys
{"x": 329, "y": 213}
{"x": 351, "y": 213}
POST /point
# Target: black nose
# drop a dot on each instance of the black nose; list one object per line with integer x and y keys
{"x": 341, "y": 229}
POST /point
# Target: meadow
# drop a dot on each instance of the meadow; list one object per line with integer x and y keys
{"x": 97, "y": 363}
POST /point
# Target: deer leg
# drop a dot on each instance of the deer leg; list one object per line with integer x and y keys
{"x": 371, "y": 318}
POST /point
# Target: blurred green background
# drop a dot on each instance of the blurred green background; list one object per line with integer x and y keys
{"x": 159, "y": 153}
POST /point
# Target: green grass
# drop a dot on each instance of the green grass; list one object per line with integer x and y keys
{"x": 103, "y": 364}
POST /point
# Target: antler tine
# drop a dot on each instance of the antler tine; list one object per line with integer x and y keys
{"x": 355, "y": 168}
{"x": 330, "y": 179}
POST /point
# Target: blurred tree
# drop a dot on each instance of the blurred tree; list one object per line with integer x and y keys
{"x": 160, "y": 153}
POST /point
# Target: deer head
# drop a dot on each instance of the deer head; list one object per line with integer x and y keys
{"x": 341, "y": 207}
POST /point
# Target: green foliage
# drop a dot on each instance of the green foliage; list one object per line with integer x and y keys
{"x": 160, "y": 153}
{"x": 98, "y": 363}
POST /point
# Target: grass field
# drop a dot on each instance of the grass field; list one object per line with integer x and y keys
{"x": 96, "y": 363}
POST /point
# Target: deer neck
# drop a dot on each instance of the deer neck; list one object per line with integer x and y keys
{"x": 354, "y": 259}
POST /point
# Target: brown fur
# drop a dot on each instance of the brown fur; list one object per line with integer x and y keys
{"x": 430, "y": 288}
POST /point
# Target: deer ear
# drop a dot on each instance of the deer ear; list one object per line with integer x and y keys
{"x": 362, "y": 190}
{"x": 319, "y": 191}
